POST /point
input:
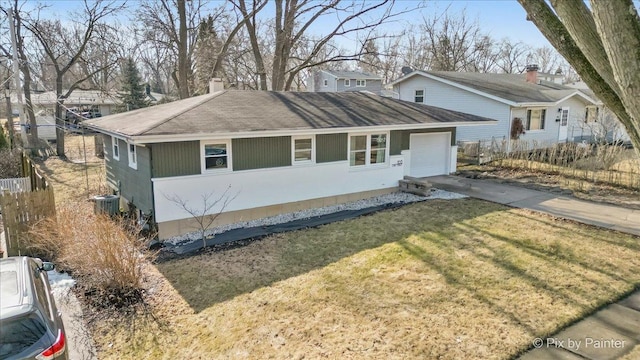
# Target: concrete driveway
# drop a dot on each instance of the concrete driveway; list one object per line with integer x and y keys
{"x": 603, "y": 215}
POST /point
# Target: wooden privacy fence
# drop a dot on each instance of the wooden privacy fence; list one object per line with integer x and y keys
{"x": 15, "y": 185}
{"x": 19, "y": 212}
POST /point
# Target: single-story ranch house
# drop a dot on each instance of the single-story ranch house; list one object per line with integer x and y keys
{"x": 272, "y": 152}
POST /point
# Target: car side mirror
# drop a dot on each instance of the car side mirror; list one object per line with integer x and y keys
{"x": 48, "y": 266}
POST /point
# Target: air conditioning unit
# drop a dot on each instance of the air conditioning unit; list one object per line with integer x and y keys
{"x": 106, "y": 204}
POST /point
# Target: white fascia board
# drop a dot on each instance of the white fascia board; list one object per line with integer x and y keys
{"x": 109, "y": 133}
{"x": 253, "y": 134}
{"x": 580, "y": 94}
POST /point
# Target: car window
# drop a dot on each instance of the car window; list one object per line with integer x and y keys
{"x": 18, "y": 335}
{"x": 41, "y": 290}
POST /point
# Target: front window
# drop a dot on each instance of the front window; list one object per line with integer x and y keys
{"x": 535, "y": 119}
{"x": 115, "y": 148}
{"x": 215, "y": 156}
{"x": 361, "y": 83}
{"x": 419, "y": 96}
{"x": 591, "y": 114}
{"x": 347, "y": 82}
{"x": 303, "y": 150}
{"x": 367, "y": 149}
{"x": 133, "y": 157}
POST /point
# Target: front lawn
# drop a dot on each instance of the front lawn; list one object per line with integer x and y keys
{"x": 457, "y": 279}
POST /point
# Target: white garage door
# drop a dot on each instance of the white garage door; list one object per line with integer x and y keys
{"x": 429, "y": 154}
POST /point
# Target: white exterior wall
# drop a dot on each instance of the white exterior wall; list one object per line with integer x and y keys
{"x": 266, "y": 187}
{"x": 451, "y": 98}
{"x": 550, "y": 134}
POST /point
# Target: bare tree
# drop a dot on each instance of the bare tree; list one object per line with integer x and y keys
{"x": 457, "y": 43}
{"x": 595, "y": 40}
{"x": 511, "y": 56}
{"x": 292, "y": 20}
{"x": 204, "y": 214}
{"x": 64, "y": 48}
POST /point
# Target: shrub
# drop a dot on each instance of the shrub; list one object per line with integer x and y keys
{"x": 10, "y": 164}
{"x": 104, "y": 255}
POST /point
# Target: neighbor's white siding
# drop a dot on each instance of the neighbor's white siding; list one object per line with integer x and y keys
{"x": 265, "y": 187}
{"x": 451, "y": 98}
{"x": 549, "y": 135}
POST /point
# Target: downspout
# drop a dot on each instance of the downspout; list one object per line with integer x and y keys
{"x": 509, "y": 129}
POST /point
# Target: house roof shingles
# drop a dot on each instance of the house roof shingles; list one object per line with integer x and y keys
{"x": 257, "y": 111}
{"x": 511, "y": 87}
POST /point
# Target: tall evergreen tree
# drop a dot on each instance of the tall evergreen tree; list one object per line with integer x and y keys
{"x": 132, "y": 94}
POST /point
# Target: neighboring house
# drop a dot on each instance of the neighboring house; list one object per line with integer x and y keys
{"x": 78, "y": 103}
{"x": 340, "y": 81}
{"x": 602, "y": 125}
{"x": 550, "y": 112}
{"x": 273, "y": 152}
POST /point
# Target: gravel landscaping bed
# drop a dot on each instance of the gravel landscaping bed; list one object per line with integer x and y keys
{"x": 387, "y": 199}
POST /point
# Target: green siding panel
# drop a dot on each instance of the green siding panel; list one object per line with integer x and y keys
{"x": 261, "y": 153}
{"x": 400, "y": 138}
{"x": 331, "y": 147}
{"x": 132, "y": 184}
{"x": 175, "y": 159}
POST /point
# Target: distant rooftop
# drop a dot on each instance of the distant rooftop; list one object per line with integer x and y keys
{"x": 358, "y": 75}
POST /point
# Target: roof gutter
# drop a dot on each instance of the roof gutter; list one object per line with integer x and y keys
{"x": 149, "y": 139}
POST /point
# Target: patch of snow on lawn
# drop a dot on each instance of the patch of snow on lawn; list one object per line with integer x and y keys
{"x": 387, "y": 199}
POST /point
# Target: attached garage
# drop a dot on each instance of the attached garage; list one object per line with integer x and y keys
{"x": 430, "y": 154}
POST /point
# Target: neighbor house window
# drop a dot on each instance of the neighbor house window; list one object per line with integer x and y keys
{"x": 591, "y": 114}
{"x": 535, "y": 119}
{"x": 325, "y": 82}
{"x": 115, "y": 147}
{"x": 367, "y": 149}
{"x": 216, "y": 156}
{"x": 361, "y": 83}
{"x": 303, "y": 150}
{"x": 419, "y": 96}
{"x": 347, "y": 82}
{"x": 133, "y": 156}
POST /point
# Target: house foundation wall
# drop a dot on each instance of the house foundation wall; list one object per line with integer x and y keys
{"x": 173, "y": 228}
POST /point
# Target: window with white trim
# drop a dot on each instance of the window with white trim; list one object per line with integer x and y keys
{"x": 591, "y": 114}
{"x": 361, "y": 83}
{"x": 133, "y": 156}
{"x": 216, "y": 155}
{"x": 535, "y": 119}
{"x": 369, "y": 149}
{"x": 347, "y": 82}
{"x": 302, "y": 150}
{"x": 325, "y": 82}
{"x": 419, "y": 96}
{"x": 115, "y": 148}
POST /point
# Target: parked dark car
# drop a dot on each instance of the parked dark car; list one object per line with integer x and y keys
{"x": 30, "y": 324}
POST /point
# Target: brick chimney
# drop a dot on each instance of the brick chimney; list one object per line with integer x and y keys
{"x": 215, "y": 85}
{"x": 532, "y": 73}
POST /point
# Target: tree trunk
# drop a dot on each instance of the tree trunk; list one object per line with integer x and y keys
{"x": 553, "y": 29}
{"x": 253, "y": 39}
{"x": 60, "y": 123}
{"x": 183, "y": 63}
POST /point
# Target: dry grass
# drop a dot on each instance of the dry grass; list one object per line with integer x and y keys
{"x": 73, "y": 179}
{"x": 460, "y": 279}
{"x": 99, "y": 251}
